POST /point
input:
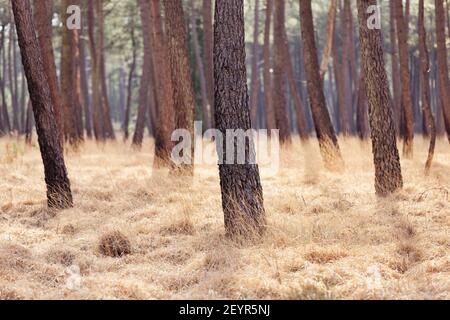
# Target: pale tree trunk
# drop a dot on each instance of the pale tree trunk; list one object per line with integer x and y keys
{"x": 242, "y": 196}
{"x": 328, "y": 143}
{"x": 331, "y": 24}
{"x": 388, "y": 175}
{"x": 59, "y": 194}
{"x": 4, "y": 106}
{"x": 126, "y": 121}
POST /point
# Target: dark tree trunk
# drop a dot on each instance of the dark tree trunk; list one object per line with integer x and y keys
{"x": 183, "y": 92}
{"x": 255, "y": 68}
{"x": 396, "y": 84}
{"x": 12, "y": 88}
{"x": 328, "y": 143}
{"x": 84, "y": 85}
{"x": 4, "y": 106}
{"x": 58, "y": 185}
{"x": 388, "y": 176}
{"x": 279, "y": 77}
{"x": 130, "y": 84}
{"x": 208, "y": 53}
{"x": 29, "y": 122}
{"x": 242, "y": 197}
{"x": 406, "y": 80}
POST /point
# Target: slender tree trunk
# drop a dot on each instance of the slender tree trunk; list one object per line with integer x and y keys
{"x": 130, "y": 83}
{"x": 183, "y": 92}
{"x": 4, "y": 106}
{"x": 444, "y": 83}
{"x": 85, "y": 87}
{"x": 12, "y": 89}
{"x": 331, "y": 24}
{"x": 328, "y": 143}
{"x": 406, "y": 80}
{"x": 362, "y": 108}
{"x": 340, "y": 80}
{"x": 255, "y": 68}
{"x": 206, "y": 106}
{"x": 396, "y": 84}
{"x": 163, "y": 79}
{"x": 78, "y": 99}
{"x": 424, "y": 86}
{"x": 144, "y": 86}
{"x": 208, "y": 54}
{"x": 29, "y": 124}
{"x": 388, "y": 175}
{"x": 268, "y": 92}
{"x": 242, "y": 197}
{"x": 279, "y": 77}
{"x": 59, "y": 194}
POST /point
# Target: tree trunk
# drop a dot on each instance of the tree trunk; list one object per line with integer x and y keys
{"x": 328, "y": 143}
{"x": 208, "y": 54}
{"x": 388, "y": 176}
{"x": 130, "y": 82}
{"x": 396, "y": 84}
{"x": 406, "y": 80}
{"x": 444, "y": 83}
{"x": 424, "y": 86}
{"x": 242, "y": 197}
{"x": 144, "y": 86}
{"x": 268, "y": 92}
{"x": 206, "y": 106}
{"x": 58, "y": 185}
{"x": 4, "y": 106}
{"x": 12, "y": 89}
{"x": 183, "y": 92}
{"x": 165, "y": 120}
{"x": 331, "y": 24}
{"x": 29, "y": 124}
{"x": 255, "y": 68}
{"x": 279, "y": 77}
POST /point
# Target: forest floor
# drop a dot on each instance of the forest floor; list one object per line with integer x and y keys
{"x": 329, "y": 236}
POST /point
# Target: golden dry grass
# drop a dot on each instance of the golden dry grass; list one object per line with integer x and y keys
{"x": 329, "y": 237}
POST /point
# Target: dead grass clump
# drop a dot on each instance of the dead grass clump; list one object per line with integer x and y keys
{"x": 183, "y": 226}
{"x": 214, "y": 261}
{"x": 407, "y": 256}
{"x": 114, "y": 244}
{"x": 68, "y": 229}
{"x": 61, "y": 256}
{"x": 308, "y": 291}
{"x": 324, "y": 255}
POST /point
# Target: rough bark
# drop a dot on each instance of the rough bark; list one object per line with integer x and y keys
{"x": 183, "y": 92}
{"x": 328, "y": 143}
{"x": 242, "y": 197}
{"x": 58, "y": 185}
{"x": 388, "y": 176}
{"x": 406, "y": 80}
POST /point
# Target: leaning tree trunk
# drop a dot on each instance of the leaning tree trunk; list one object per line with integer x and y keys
{"x": 444, "y": 83}
{"x": 328, "y": 143}
{"x": 425, "y": 86}
{"x": 183, "y": 92}
{"x": 388, "y": 176}
{"x": 279, "y": 78}
{"x": 59, "y": 194}
{"x": 406, "y": 80}
{"x": 242, "y": 197}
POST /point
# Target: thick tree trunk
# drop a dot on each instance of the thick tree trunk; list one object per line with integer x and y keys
{"x": 163, "y": 79}
{"x": 279, "y": 76}
{"x": 424, "y": 86}
{"x": 328, "y": 143}
{"x": 444, "y": 83}
{"x": 268, "y": 92}
{"x": 242, "y": 197}
{"x": 388, "y": 176}
{"x": 406, "y": 80}
{"x": 58, "y": 185}
{"x": 183, "y": 92}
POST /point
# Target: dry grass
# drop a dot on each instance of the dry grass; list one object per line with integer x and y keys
{"x": 328, "y": 237}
